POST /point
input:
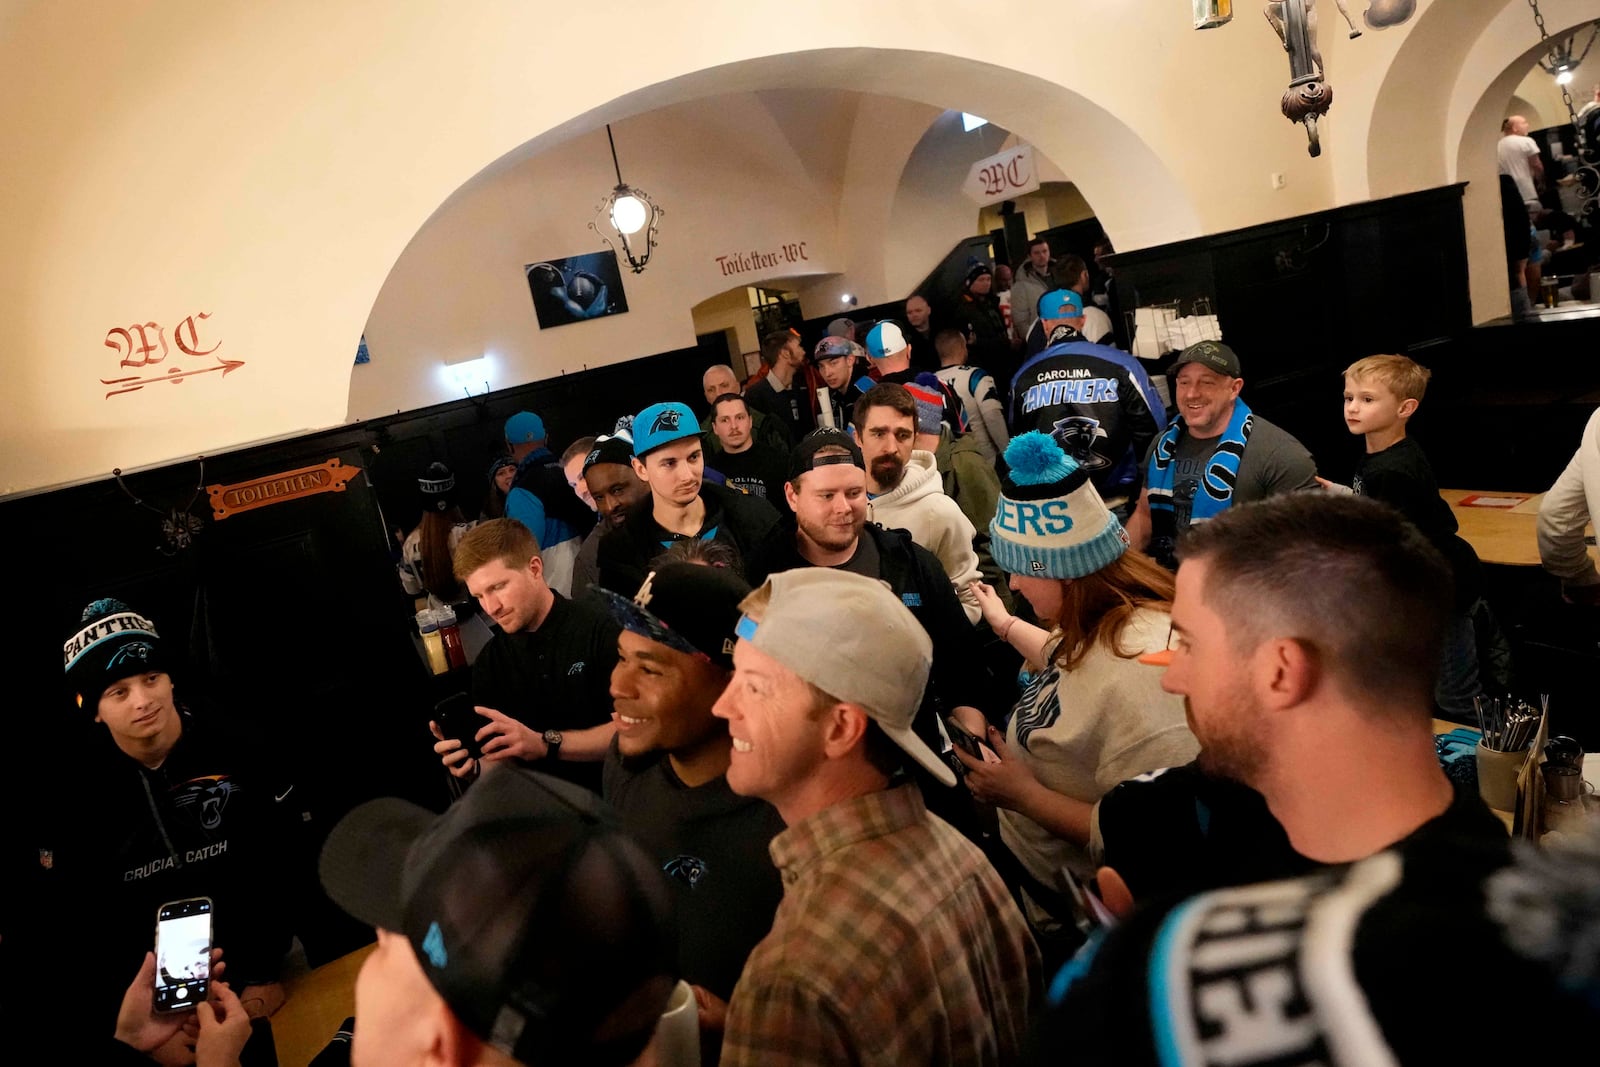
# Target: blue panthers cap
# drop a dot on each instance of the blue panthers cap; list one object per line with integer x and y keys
{"x": 1060, "y": 304}
{"x": 662, "y": 424}
{"x": 885, "y": 340}
{"x": 524, "y": 427}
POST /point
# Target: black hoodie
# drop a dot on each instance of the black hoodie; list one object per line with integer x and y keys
{"x": 740, "y": 521}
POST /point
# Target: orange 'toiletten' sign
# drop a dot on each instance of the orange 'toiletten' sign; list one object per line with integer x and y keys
{"x": 326, "y": 477}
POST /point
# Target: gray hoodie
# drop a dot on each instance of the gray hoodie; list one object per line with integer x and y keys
{"x": 934, "y": 521}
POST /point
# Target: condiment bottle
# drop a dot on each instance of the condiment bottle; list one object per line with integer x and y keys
{"x": 432, "y": 641}
{"x": 454, "y": 651}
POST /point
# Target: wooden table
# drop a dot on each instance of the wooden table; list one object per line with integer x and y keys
{"x": 1507, "y": 536}
{"x": 318, "y": 1002}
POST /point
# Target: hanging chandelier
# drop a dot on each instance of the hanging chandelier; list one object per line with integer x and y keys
{"x": 627, "y": 212}
{"x": 1562, "y": 60}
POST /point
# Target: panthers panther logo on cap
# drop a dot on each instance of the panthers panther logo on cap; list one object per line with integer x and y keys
{"x": 665, "y": 422}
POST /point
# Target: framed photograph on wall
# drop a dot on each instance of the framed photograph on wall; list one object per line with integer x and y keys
{"x": 576, "y": 288}
{"x": 1209, "y": 14}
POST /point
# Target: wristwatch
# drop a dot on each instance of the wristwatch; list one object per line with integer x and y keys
{"x": 552, "y": 744}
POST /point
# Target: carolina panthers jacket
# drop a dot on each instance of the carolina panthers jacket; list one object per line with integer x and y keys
{"x": 1098, "y": 402}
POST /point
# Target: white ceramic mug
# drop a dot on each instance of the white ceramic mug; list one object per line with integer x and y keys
{"x": 678, "y": 1032}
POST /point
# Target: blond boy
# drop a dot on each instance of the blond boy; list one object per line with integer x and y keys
{"x": 1381, "y": 394}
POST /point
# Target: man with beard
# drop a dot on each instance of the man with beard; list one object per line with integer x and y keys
{"x": 1096, "y": 401}
{"x": 607, "y": 474}
{"x": 669, "y": 457}
{"x": 905, "y": 490}
{"x": 1308, "y": 627}
{"x": 1307, "y": 631}
{"x": 666, "y": 773}
{"x": 828, "y": 492}
{"x": 783, "y": 393}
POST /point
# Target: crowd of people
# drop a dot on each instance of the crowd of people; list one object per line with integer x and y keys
{"x": 901, "y": 703}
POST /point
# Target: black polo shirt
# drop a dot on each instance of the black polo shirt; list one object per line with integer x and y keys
{"x": 557, "y": 677}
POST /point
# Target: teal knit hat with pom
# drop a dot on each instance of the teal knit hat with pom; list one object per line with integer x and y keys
{"x": 1051, "y": 523}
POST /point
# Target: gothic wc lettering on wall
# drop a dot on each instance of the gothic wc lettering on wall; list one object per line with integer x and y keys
{"x": 143, "y": 345}
{"x": 763, "y": 259}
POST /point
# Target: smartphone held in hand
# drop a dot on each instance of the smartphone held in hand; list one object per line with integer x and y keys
{"x": 458, "y": 721}
{"x": 183, "y": 954}
{"x": 968, "y": 741}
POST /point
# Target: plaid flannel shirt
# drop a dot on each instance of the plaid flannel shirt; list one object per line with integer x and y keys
{"x": 896, "y": 943}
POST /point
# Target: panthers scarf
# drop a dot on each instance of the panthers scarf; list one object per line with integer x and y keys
{"x": 1214, "y": 492}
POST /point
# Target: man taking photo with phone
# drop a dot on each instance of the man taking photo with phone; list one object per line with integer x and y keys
{"x": 540, "y": 684}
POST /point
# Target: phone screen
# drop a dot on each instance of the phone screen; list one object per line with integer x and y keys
{"x": 183, "y": 954}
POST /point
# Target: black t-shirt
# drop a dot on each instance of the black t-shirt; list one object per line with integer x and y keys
{"x": 1401, "y": 477}
{"x": 1182, "y": 831}
{"x": 865, "y": 561}
{"x": 757, "y": 471}
{"x": 557, "y": 677}
{"x": 711, "y": 844}
{"x": 1241, "y": 975}
{"x": 924, "y": 353}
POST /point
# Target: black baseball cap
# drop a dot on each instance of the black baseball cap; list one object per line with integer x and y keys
{"x": 689, "y": 607}
{"x": 546, "y": 930}
{"x": 804, "y": 455}
{"x": 1214, "y": 354}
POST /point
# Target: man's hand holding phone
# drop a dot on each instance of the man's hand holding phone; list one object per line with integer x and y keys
{"x": 456, "y": 725}
{"x": 453, "y": 754}
{"x": 139, "y": 1025}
